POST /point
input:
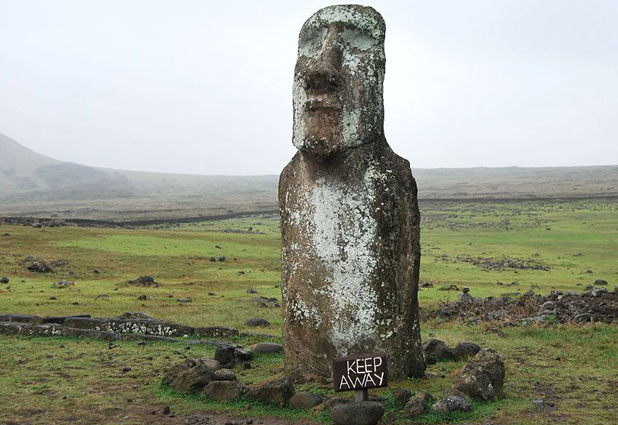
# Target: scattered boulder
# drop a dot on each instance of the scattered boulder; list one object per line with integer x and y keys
{"x": 600, "y": 282}
{"x": 243, "y": 354}
{"x": 357, "y": 413}
{"x": 192, "y": 375}
{"x": 426, "y": 285}
{"x": 212, "y": 364}
{"x": 63, "y": 284}
{"x": 413, "y": 408}
{"x": 483, "y": 376}
{"x": 464, "y": 350}
{"x": 425, "y": 396}
{"x": 331, "y": 402}
{"x": 216, "y": 332}
{"x": 40, "y": 267}
{"x": 224, "y": 390}
{"x": 257, "y": 321}
{"x": 267, "y": 348}
{"x": 305, "y": 400}
{"x": 277, "y": 392}
{"x": 450, "y": 404}
{"x": 436, "y": 350}
{"x": 251, "y": 291}
{"x": 455, "y": 392}
{"x": 185, "y": 300}
{"x": 103, "y": 297}
{"x": 223, "y": 374}
{"x": 4, "y": 280}
{"x": 401, "y": 396}
{"x": 228, "y": 355}
{"x": 144, "y": 281}
{"x": 131, "y": 315}
{"x": 225, "y": 355}
{"x": 265, "y": 302}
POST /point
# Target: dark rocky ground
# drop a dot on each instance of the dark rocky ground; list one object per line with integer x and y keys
{"x": 594, "y": 305}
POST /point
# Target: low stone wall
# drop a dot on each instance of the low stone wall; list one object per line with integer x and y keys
{"x": 115, "y": 328}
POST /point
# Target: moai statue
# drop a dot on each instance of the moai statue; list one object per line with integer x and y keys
{"x": 349, "y": 213}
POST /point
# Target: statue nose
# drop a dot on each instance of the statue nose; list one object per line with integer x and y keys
{"x": 325, "y": 76}
{"x": 331, "y": 54}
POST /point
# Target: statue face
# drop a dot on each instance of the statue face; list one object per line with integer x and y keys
{"x": 338, "y": 100}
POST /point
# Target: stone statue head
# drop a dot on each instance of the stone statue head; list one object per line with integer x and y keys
{"x": 338, "y": 79}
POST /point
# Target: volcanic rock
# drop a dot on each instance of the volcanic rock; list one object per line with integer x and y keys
{"x": 357, "y": 413}
{"x": 278, "y": 392}
{"x": 305, "y": 400}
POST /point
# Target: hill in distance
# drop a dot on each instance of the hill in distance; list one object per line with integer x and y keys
{"x": 35, "y": 185}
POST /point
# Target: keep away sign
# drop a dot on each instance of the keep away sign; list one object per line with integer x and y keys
{"x": 360, "y": 372}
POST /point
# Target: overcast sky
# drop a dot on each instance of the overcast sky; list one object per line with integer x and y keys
{"x": 206, "y": 86}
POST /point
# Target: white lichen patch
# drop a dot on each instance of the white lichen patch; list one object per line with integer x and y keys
{"x": 343, "y": 233}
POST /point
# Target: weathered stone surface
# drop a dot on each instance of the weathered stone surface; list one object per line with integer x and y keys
{"x": 4, "y": 279}
{"x": 413, "y": 408}
{"x": 357, "y": 413}
{"x": 464, "y": 350}
{"x": 133, "y": 326}
{"x": 476, "y": 384}
{"x": 451, "y": 403}
{"x": 63, "y": 284}
{"x": 257, "y": 321}
{"x": 436, "y": 350}
{"x": 134, "y": 315}
{"x": 305, "y": 400}
{"x": 22, "y": 318}
{"x": 425, "y": 396}
{"x": 266, "y": 302}
{"x": 144, "y": 281}
{"x": 224, "y": 390}
{"x": 224, "y": 375}
{"x": 225, "y": 355}
{"x": 401, "y": 396}
{"x": 189, "y": 376}
{"x": 61, "y": 319}
{"x": 483, "y": 376}
{"x": 349, "y": 212}
{"x": 40, "y": 267}
{"x": 212, "y": 364}
{"x": 216, "y": 332}
{"x": 52, "y": 329}
{"x": 278, "y": 392}
{"x": 331, "y": 402}
{"x": 267, "y": 348}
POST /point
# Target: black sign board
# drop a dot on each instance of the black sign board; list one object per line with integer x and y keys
{"x": 360, "y": 372}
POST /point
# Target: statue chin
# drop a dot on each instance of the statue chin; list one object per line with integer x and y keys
{"x": 321, "y": 146}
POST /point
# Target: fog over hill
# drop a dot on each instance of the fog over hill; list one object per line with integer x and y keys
{"x": 34, "y": 184}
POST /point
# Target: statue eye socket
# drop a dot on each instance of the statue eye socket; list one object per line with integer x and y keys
{"x": 311, "y": 41}
{"x": 357, "y": 39}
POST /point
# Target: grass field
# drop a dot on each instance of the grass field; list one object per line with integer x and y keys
{"x": 564, "y": 245}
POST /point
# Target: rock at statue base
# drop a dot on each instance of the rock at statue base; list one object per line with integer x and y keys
{"x": 357, "y": 413}
{"x": 349, "y": 211}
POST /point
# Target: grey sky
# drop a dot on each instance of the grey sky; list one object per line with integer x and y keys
{"x": 206, "y": 87}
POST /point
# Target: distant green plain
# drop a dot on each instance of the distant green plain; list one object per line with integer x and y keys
{"x": 577, "y": 240}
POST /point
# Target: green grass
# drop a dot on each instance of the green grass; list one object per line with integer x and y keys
{"x": 573, "y": 366}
